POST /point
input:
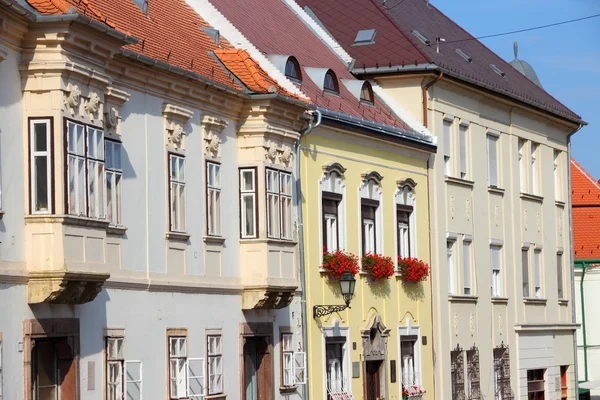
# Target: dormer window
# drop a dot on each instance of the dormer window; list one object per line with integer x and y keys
{"x": 292, "y": 69}
{"x": 366, "y": 94}
{"x": 142, "y": 4}
{"x": 331, "y": 84}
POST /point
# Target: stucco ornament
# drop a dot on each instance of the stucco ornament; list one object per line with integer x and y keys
{"x": 525, "y": 222}
{"x": 468, "y": 209}
{"x": 500, "y": 325}
{"x": 111, "y": 118}
{"x": 538, "y": 221}
{"x": 286, "y": 155}
{"x": 452, "y": 207}
{"x": 74, "y": 96}
{"x": 496, "y": 215}
{"x": 176, "y": 135}
{"x": 271, "y": 151}
{"x": 93, "y": 103}
{"x": 456, "y": 324}
{"x": 213, "y": 127}
{"x": 472, "y": 324}
{"x": 560, "y": 225}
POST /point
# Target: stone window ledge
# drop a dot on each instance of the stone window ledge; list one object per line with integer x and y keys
{"x": 270, "y": 241}
{"x": 287, "y": 389}
{"x": 532, "y": 197}
{"x": 73, "y": 220}
{"x": 178, "y": 236}
{"x": 215, "y": 397}
{"x": 559, "y": 203}
{"x": 495, "y": 189}
{"x": 459, "y": 181}
{"x": 563, "y": 302}
{"x": 500, "y": 300}
{"x": 214, "y": 239}
{"x": 535, "y": 301}
{"x": 116, "y": 230}
{"x": 462, "y": 299}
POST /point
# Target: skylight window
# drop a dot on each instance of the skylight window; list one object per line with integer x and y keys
{"x": 292, "y": 69}
{"x": 365, "y": 36}
{"x": 366, "y": 94}
{"x": 497, "y": 70}
{"x": 331, "y": 84}
{"x": 464, "y": 55}
{"x": 142, "y": 4}
{"x": 421, "y": 37}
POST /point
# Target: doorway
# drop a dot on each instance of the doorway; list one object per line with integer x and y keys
{"x": 53, "y": 370}
{"x": 373, "y": 380}
{"x": 258, "y": 382}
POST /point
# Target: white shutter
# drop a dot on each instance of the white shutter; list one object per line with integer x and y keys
{"x": 300, "y": 368}
{"x": 133, "y": 380}
{"x": 196, "y": 378}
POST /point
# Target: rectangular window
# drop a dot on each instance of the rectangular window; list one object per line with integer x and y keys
{"x": 213, "y": 198}
{"x": 560, "y": 275}
{"x": 334, "y": 361}
{"x": 536, "y": 384}
{"x": 76, "y": 156}
{"x": 407, "y": 354}
{"x": 40, "y": 143}
{"x": 248, "y": 203}
{"x": 522, "y": 166}
{"x": 403, "y": 214}
{"x": 462, "y": 140}
{"x": 287, "y": 364}
{"x": 369, "y": 211}
{"x": 473, "y": 379}
{"x": 451, "y": 267}
{"x": 534, "y": 168}
{"x": 178, "y": 367}
{"x": 177, "y": 192}
{"x": 492, "y": 153}
{"x": 502, "y": 390}
{"x": 557, "y": 175}
{"x": 115, "y": 367}
{"x": 564, "y": 388}
{"x": 525, "y": 271}
{"x": 279, "y": 204}
{"x": 466, "y": 259}
{"x": 215, "y": 365}
{"x": 496, "y": 262}
{"x": 447, "y": 133}
{"x": 95, "y": 172}
{"x": 330, "y": 204}
{"x": 114, "y": 177}
{"x": 537, "y": 271}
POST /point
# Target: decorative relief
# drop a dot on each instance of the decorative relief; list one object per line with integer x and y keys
{"x": 286, "y": 155}
{"x": 500, "y": 325}
{"x": 452, "y": 207}
{"x": 472, "y": 324}
{"x": 560, "y": 225}
{"x": 175, "y": 132}
{"x": 538, "y": 220}
{"x": 111, "y": 118}
{"x": 278, "y": 155}
{"x": 72, "y": 98}
{"x": 113, "y": 101}
{"x": 175, "y": 118}
{"x": 374, "y": 339}
{"x": 93, "y": 103}
{"x": 525, "y": 222}
{"x": 468, "y": 209}
{"x": 456, "y": 324}
{"x": 496, "y": 215}
{"x": 213, "y": 127}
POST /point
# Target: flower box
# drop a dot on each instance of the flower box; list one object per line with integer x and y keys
{"x": 338, "y": 262}
{"x": 412, "y": 270}
{"x": 377, "y": 266}
{"x": 413, "y": 392}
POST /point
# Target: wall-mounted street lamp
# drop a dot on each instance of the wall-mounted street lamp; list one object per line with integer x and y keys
{"x": 347, "y": 285}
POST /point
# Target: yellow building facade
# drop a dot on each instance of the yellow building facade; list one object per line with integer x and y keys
{"x": 384, "y": 340}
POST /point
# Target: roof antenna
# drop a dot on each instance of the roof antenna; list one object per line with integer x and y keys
{"x": 516, "y": 49}
{"x": 428, "y": 4}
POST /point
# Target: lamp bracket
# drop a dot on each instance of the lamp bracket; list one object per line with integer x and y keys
{"x": 321, "y": 311}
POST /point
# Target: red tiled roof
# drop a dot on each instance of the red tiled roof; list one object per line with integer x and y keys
{"x": 170, "y": 32}
{"x": 395, "y": 45}
{"x": 585, "y": 196}
{"x": 286, "y": 34}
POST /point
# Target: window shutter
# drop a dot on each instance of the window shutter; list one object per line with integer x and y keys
{"x": 300, "y": 368}
{"x": 196, "y": 378}
{"x": 133, "y": 380}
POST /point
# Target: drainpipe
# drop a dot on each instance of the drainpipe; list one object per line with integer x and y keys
{"x": 425, "y": 88}
{"x": 303, "y": 133}
{"x": 585, "y": 354}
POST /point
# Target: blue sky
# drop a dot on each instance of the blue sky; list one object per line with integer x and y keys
{"x": 566, "y": 58}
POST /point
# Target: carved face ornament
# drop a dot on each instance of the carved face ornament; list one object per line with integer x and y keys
{"x": 111, "y": 118}
{"x": 74, "y": 96}
{"x": 93, "y": 103}
{"x": 177, "y": 134}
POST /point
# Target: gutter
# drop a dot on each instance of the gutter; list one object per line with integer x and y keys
{"x": 425, "y": 88}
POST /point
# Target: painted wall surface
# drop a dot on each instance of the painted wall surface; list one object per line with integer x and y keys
{"x": 591, "y": 288}
{"x": 395, "y": 302}
{"x": 468, "y": 208}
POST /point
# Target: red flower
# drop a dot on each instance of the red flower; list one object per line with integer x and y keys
{"x": 412, "y": 270}
{"x": 338, "y": 262}
{"x": 378, "y": 266}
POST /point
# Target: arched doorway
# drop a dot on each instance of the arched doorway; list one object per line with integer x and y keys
{"x": 374, "y": 337}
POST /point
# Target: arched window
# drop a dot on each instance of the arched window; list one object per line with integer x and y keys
{"x": 366, "y": 93}
{"x": 406, "y": 218}
{"x": 331, "y": 84}
{"x": 292, "y": 69}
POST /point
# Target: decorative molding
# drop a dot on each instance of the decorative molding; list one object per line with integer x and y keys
{"x": 538, "y": 221}
{"x": 472, "y": 324}
{"x": 468, "y": 209}
{"x": 525, "y": 220}
{"x": 92, "y": 105}
{"x": 278, "y": 154}
{"x": 455, "y": 323}
{"x": 408, "y": 182}
{"x": 175, "y": 118}
{"x": 334, "y": 167}
{"x": 72, "y": 99}
{"x": 496, "y": 215}
{"x": 178, "y": 236}
{"x": 496, "y": 190}
{"x": 114, "y": 99}
{"x": 267, "y": 298}
{"x": 372, "y": 176}
{"x": 64, "y": 287}
{"x": 176, "y": 112}
{"x": 213, "y": 127}
{"x": 374, "y": 348}
{"x": 459, "y": 181}
{"x": 452, "y": 211}
{"x": 546, "y": 327}
{"x": 532, "y": 197}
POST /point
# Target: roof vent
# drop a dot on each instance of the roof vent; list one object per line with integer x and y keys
{"x": 464, "y": 55}
{"x": 142, "y": 4}
{"x": 421, "y": 37}
{"x": 212, "y": 33}
{"x": 364, "y": 36}
{"x": 497, "y": 70}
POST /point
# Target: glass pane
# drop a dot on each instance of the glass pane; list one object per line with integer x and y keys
{"x": 81, "y": 186}
{"x": 48, "y": 393}
{"x": 217, "y": 180}
{"x": 40, "y": 133}
{"x": 91, "y": 142}
{"x": 217, "y": 212}
{"x": 41, "y": 183}
{"x": 248, "y": 180}
{"x": 109, "y": 149}
{"x": 100, "y": 144}
{"x": 46, "y": 367}
{"x": 72, "y": 182}
{"x": 79, "y": 139}
{"x": 117, "y": 149}
{"x": 100, "y": 181}
{"x": 111, "y": 349}
{"x": 249, "y": 224}
{"x": 181, "y": 169}
{"x": 92, "y": 187}
{"x": 118, "y": 198}
{"x": 182, "y": 207}
{"x": 173, "y": 168}
{"x": 109, "y": 196}
{"x": 72, "y": 136}
{"x": 174, "y": 224}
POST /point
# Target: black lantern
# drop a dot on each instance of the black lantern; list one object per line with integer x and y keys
{"x": 347, "y": 285}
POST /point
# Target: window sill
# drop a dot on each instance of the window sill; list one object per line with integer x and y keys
{"x": 462, "y": 299}
{"x": 495, "y": 189}
{"x": 563, "y": 302}
{"x": 559, "y": 203}
{"x": 215, "y": 396}
{"x": 116, "y": 230}
{"x": 178, "y": 236}
{"x": 459, "y": 181}
{"x": 535, "y": 301}
{"x": 532, "y": 197}
{"x": 269, "y": 241}
{"x": 214, "y": 239}
{"x": 499, "y": 300}
{"x": 287, "y": 389}
{"x": 66, "y": 220}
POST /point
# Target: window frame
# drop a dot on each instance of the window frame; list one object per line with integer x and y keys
{"x": 374, "y": 205}
{"x": 404, "y": 225}
{"x": 538, "y": 270}
{"x": 217, "y": 356}
{"x": 525, "y": 278}
{"x": 290, "y": 357}
{"x": 340, "y": 342}
{"x": 294, "y": 62}
{"x": 49, "y": 121}
{"x": 178, "y": 182}
{"x": 535, "y": 160}
{"x": 557, "y": 175}
{"x": 564, "y": 382}
{"x": 467, "y": 268}
{"x": 117, "y": 185}
{"x": 368, "y": 88}
{"x": 522, "y": 165}
{"x": 531, "y": 380}
{"x": 451, "y": 265}
{"x": 560, "y": 275}
{"x": 119, "y": 360}
{"x": 172, "y": 357}
{"x": 215, "y": 189}
{"x": 492, "y": 143}
{"x": 331, "y": 90}
{"x": 463, "y": 150}
{"x": 282, "y": 199}
{"x": 252, "y": 193}
{"x": 496, "y": 271}
{"x": 414, "y": 340}
{"x": 473, "y": 375}
{"x": 447, "y": 128}
{"x": 326, "y": 215}
{"x": 96, "y": 201}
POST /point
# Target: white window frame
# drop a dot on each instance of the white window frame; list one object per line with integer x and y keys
{"x": 279, "y": 204}
{"x": 214, "y": 346}
{"x": 534, "y": 173}
{"x": 96, "y": 185}
{"x": 496, "y": 270}
{"x": 133, "y": 380}
{"x": 336, "y": 330}
{"x": 331, "y": 227}
{"x": 286, "y": 190}
{"x": 448, "y": 124}
{"x": 334, "y": 183}
{"x": 467, "y": 261}
{"x": 213, "y": 199}
{"x": 248, "y": 194}
{"x": 114, "y": 177}
{"x": 410, "y": 330}
{"x": 522, "y": 166}
{"x": 177, "y": 195}
{"x": 287, "y": 359}
{"x": 538, "y": 289}
{"x": 115, "y": 357}
{"x": 300, "y": 377}
{"x": 451, "y": 263}
{"x": 178, "y": 381}
{"x": 199, "y": 377}
{"x": 78, "y": 156}
{"x": 560, "y": 275}
{"x": 557, "y": 175}
{"x": 526, "y": 278}
{"x": 405, "y": 196}
{"x": 371, "y": 190}
{"x": 47, "y": 122}
{"x": 369, "y": 233}
{"x": 463, "y": 143}
{"x": 493, "y": 141}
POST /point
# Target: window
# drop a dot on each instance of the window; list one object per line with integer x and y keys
{"x": 522, "y": 175}
{"x": 114, "y": 176}
{"x": 447, "y": 133}
{"x": 496, "y": 262}
{"x": 466, "y": 259}
{"x": 331, "y": 234}
{"x": 177, "y": 192}
{"x": 115, "y": 366}
{"x": 525, "y": 271}
{"x": 462, "y": 141}
{"x": 557, "y": 174}
{"x": 403, "y": 214}
{"x": 534, "y": 168}
{"x": 178, "y": 367}
{"x": 334, "y": 362}
{"x": 535, "y": 384}
{"x": 473, "y": 379}
{"x": 215, "y": 365}
{"x": 457, "y": 374}
{"x": 502, "y": 390}
{"x": 213, "y": 198}
{"x": 537, "y": 272}
{"x": 76, "y": 168}
{"x": 133, "y": 379}
{"x": 451, "y": 266}
{"x": 368, "y": 211}
{"x": 95, "y": 164}
{"x": 564, "y": 389}
{"x": 559, "y": 275}
{"x": 287, "y": 364}
{"x": 279, "y": 204}
{"x": 292, "y": 69}
{"x": 407, "y": 354}
{"x": 492, "y": 153}
{"x": 330, "y": 84}
{"x": 40, "y": 143}
{"x": 366, "y": 94}
{"x": 248, "y": 204}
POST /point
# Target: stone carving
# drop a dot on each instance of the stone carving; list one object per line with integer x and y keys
{"x": 111, "y": 119}
{"x": 500, "y": 325}
{"x": 286, "y": 155}
{"x": 538, "y": 220}
{"x": 374, "y": 338}
{"x": 114, "y": 99}
{"x": 271, "y": 151}
{"x": 176, "y": 135}
{"x": 93, "y": 103}
{"x": 213, "y": 126}
{"x": 456, "y": 324}
{"x": 560, "y": 227}
{"x": 525, "y": 222}
{"x": 452, "y": 207}
{"x": 74, "y": 96}
{"x": 468, "y": 209}
{"x": 496, "y": 215}
{"x": 472, "y": 324}
{"x": 175, "y": 118}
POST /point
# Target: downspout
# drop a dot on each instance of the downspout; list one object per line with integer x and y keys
{"x": 303, "y": 133}
{"x": 585, "y": 347}
{"x": 425, "y": 88}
